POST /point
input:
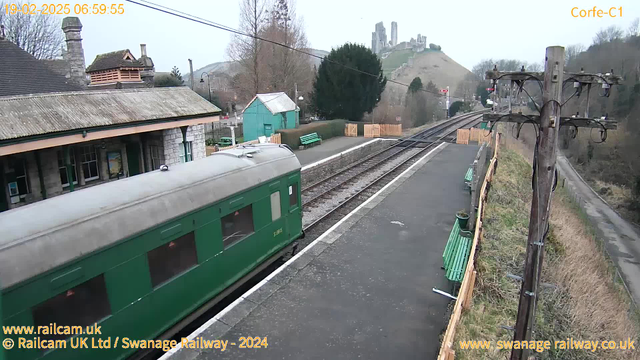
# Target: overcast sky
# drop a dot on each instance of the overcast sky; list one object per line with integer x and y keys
{"x": 468, "y": 31}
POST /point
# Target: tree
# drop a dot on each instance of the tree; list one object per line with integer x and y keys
{"x": 39, "y": 34}
{"x": 466, "y": 87}
{"x": 175, "y": 73}
{"x": 571, "y": 53}
{"x": 341, "y": 92}
{"x": 455, "y": 107}
{"x": 166, "y": 81}
{"x": 610, "y": 34}
{"x": 284, "y": 67}
{"x": 416, "y": 85}
{"x": 633, "y": 28}
{"x": 245, "y": 49}
{"x": 482, "y": 93}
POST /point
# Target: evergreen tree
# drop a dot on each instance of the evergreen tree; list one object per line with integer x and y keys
{"x": 341, "y": 92}
{"x": 175, "y": 73}
{"x": 416, "y": 85}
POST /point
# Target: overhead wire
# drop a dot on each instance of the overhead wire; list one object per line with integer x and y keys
{"x": 186, "y": 16}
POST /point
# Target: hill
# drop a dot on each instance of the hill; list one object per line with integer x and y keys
{"x": 230, "y": 68}
{"x": 430, "y": 65}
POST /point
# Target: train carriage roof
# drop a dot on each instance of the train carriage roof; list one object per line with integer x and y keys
{"x": 42, "y": 236}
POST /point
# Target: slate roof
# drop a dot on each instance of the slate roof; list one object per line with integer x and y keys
{"x": 21, "y": 73}
{"x": 274, "y": 102}
{"x": 113, "y": 60}
{"x": 32, "y": 115}
{"x": 58, "y": 66}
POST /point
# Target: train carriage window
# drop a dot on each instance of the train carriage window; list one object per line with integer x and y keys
{"x": 237, "y": 225}
{"x": 293, "y": 195}
{"x": 172, "y": 258}
{"x": 275, "y": 206}
{"x": 82, "y": 305}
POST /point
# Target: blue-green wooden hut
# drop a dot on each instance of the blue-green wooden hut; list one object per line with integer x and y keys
{"x": 267, "y": 113}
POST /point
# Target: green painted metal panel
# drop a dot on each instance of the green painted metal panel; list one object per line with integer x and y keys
{"x": 1, "y": 332}
{"x": 128, "y": 282}
{"x": 140, "y": 312}
{"x": 209, "y": 240}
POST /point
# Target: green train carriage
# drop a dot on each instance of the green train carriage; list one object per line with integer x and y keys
{"x": 138, "y": 255}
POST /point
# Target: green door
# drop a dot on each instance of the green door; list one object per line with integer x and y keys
{"x": 268, "y": 129}
{"x": 3, "y": 204}
{"x": 133, "y": 158}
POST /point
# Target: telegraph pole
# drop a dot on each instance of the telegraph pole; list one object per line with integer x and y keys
{"x": 545, "y": 168}
{"x": 544, "y": 178}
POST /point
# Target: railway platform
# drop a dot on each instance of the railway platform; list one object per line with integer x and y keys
{"x": 363, "y": 289}
{"x": 328, "y": 148}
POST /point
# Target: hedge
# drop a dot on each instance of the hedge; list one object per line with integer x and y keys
{"x": 326, "y": 130}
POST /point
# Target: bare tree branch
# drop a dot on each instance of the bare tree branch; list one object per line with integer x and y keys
{"x": 39, "y": 35}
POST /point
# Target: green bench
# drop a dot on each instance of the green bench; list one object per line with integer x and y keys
{"x": 468, "y": 178}
{"x": 310, "y": 139}
{"x": 456, "y": 253}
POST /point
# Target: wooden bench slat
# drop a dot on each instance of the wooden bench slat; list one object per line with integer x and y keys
{"x": 310, "y": 138}
{"x": 456, "y": 254}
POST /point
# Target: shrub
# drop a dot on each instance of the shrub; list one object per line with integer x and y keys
{"x": 325, "y": 129}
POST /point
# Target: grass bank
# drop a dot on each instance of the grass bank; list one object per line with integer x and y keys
{"x": 584, "y": 302}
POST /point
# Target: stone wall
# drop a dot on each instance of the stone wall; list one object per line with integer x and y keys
{"x": 173, "y": 143}
{"x": 326, "y": 169}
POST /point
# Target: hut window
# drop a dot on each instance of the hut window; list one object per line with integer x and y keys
{"x": 89, "y": 162}
{"x": 63, "y": 169}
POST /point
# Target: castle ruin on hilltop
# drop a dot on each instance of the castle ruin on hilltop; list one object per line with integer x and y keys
{"x": 380, "y": 44}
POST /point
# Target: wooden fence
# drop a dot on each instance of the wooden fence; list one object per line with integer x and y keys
{"x": 462, "y": 136}
{"x": 390, "y": 129}
{"x": 371, "y": 130}
{"x": 351, "y": 130}
{"x": 377, "y": 130}
{"x": 479, "y": 135}
{"x": 466, "y": 288}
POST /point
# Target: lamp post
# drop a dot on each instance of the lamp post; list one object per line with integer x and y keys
{"x": 208, "y": 82}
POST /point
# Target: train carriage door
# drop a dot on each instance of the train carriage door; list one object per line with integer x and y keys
{"x": 294, "y": 218}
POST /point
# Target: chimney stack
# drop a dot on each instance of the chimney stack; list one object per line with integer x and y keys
{"x": 148, "y": 72}
{"x": 74, "y": 56}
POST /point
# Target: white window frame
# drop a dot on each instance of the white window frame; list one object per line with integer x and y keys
{"x": 26, "y": 179}
{"x": 72, "y": 159}
{"x": 83, "y": 152}
{"x": 276, "y": 210}
{"x": 158, "y": 159}
{"x": 189, "y": 151}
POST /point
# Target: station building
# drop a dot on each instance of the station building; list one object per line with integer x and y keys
{"x": 61, "y": 132}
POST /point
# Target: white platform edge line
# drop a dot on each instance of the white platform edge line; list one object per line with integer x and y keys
{"x": 257, "y": 286}
{"x": 309, "y": 166}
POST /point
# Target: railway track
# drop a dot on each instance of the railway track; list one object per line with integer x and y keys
{"x": 367, "y": 175}
{"x": 321, "y": 199}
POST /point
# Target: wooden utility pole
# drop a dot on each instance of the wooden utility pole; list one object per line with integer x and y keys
{"x": 549, "y": 122}
{"x": 545, "y": 168}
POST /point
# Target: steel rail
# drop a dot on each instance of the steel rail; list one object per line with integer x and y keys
{"x": 387, "y": 173}
{"x": 421, "y": 135}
